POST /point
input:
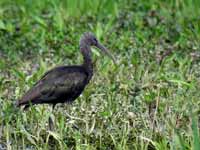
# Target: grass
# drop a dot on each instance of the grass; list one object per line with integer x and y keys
{"x": 150, "y": 100}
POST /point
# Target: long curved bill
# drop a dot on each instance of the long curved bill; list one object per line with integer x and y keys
{"x": 105, "y": 50}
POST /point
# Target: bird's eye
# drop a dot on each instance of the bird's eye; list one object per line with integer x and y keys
{"x": 95, "y": 40}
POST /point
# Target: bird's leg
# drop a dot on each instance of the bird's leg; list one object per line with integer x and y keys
{"x": 51, "y": 119}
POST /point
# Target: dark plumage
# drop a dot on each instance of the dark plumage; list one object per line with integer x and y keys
{"x": 65, "y": 83}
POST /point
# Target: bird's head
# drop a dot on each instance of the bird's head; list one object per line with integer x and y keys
{"x": 88, "y": 39}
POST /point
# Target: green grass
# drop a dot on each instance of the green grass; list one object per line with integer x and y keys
{"x": 149, "y": 100}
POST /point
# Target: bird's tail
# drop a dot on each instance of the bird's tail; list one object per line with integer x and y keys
{"x": 19, "y": 103}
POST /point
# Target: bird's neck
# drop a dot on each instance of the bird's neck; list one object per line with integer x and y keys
{"x": 87, "y": 59}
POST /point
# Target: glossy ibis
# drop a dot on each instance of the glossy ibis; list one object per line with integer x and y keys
{"x": 64, "y": 83}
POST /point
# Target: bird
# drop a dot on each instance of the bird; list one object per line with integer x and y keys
{"x": 64, "y": 84}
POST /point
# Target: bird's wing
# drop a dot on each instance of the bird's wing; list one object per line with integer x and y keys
{"x": 54, "y": 84}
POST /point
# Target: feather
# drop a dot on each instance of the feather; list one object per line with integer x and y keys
{"x": 60, "y": 84}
